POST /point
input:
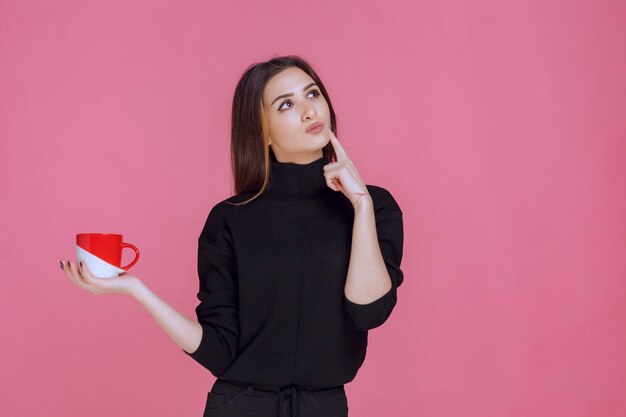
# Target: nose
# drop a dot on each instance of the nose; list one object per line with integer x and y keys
{"x": 309, "y": 111}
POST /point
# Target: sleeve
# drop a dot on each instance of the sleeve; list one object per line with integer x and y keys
{"x": 389, "y": 229}
{"x": 218, "y": 311}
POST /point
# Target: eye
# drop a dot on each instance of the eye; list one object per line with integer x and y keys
{"x": 317, "y": 93}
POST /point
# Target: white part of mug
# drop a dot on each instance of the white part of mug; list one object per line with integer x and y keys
{"x": 98, "y": 267}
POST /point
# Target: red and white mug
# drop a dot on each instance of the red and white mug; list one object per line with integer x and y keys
{"x": 102, "y": 253}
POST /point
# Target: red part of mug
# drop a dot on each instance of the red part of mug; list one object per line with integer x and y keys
{"x": 107, "y": 246}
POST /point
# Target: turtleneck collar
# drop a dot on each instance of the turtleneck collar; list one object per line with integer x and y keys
{"x": 288, "y": 179}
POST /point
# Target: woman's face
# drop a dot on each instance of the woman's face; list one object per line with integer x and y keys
{"x": 289, "y": 116}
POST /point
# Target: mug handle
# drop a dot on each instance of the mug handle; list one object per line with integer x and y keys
{"x": 133, "y": 247}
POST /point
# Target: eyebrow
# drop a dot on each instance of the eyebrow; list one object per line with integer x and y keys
{"x": 291, "y": 94}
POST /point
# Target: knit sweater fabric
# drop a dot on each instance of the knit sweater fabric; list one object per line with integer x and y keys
{"x": 272, "y": 274}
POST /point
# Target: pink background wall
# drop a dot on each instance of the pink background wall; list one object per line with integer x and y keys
{"x": 498, "y": 126}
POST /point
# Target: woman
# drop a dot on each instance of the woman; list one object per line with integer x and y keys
{"x": 294, "y": 269}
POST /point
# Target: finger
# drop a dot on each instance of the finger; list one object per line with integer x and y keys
{"x": 88, "y": 280}
{"x": 330, "y": 181}
{"x": 96, "y": 282}
{"x": 67, "y": 267}
{"x": 332, "y": 175}
{"x": 338, "y": 147}
{"x": 78, "y": 279}
{"x": 84, "y": 271}
{"x": 339, "y": 186}
{"x": 331, "y": 166}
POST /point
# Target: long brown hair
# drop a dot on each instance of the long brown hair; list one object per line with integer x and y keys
{"x": 249, "y": 147}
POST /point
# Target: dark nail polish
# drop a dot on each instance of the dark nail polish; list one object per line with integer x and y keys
{"x": 61, "y": 265}
{"x": 81, "y": 264}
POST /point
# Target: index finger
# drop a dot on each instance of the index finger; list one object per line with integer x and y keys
{"x": 339, "y": 149}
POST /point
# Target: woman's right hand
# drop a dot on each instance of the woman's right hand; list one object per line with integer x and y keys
{"x": 124, "y": 283}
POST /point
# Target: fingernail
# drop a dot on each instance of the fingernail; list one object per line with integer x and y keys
{"x": 61, "y": 264}
{"x": 81, "y": 264}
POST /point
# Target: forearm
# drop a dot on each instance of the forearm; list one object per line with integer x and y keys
{"x": 367, "y": 278}
{"x": 186, "y": 332}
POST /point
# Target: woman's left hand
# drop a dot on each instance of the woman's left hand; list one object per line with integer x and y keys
{"x": 342, "y": 175}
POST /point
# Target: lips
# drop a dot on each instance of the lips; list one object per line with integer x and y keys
{"x": 315, "y": 127}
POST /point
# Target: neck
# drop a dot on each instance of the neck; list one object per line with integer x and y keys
{"x": 288, "y": 179}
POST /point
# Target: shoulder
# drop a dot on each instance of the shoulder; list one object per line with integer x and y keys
{"x": 383, "y": 200}
{"x": 219, "y": 215}
{"x": 223, "y": 210}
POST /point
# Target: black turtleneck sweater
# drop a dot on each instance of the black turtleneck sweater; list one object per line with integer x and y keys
{"x": 272, "y": 275}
